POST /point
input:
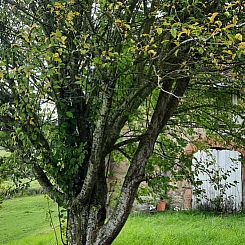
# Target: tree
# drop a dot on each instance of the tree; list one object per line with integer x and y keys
{"x": 81, "y": 80}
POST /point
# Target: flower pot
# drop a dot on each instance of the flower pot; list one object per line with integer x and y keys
{"x": 161, "y": 206}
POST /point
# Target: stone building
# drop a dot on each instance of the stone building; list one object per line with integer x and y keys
{"x": 182, "y": 197}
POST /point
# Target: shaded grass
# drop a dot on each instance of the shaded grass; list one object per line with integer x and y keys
{"x": 25, "y": 216}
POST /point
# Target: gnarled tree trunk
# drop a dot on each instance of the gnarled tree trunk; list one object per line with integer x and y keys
{"x": 83, "y": 224}
{"x": 85, "y": 219}
{"x": 98, "y": 230}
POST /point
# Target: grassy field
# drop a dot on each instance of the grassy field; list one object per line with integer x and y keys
{"x": 26, "y": 216}
{"x": 24, "y": 222}
{"x": 183, "y": 229}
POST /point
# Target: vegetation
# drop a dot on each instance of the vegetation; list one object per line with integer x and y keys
{"x": 45, "y": 239}
{"x": 82, "y": 82}
{"x": 182, "y": 228}
{"x": 8, "y": 189}
{"x": 170, "y": 228}
{"x": 26, "y": 216}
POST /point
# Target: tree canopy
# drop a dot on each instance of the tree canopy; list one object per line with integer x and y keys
{"x": 81, "y": 80}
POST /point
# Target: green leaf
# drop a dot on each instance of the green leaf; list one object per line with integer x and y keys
{"x": 159, "y": 31}
{"x": 200, "y": 50}
{"x": 174, "y": 32}
{"x": 213, "y": 17}
{"x": 69, "y": 114}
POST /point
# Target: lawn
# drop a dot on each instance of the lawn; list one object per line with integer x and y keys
{"x": 26, "y": 216}
{"x": 24, "y": 222}
{"x": 183, "y": 228}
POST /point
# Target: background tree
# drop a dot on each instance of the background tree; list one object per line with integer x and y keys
{"x": 83, "y": 79}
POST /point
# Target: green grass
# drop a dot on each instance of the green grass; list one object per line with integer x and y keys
{"x": 183, "y": 229}
{"x": 45, "y": 239}
{"x": 24, "y": 222}
{"x": 25, "y": 216}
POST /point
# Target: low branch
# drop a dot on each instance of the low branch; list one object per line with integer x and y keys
{"x": 128, "y": 141}
{"x": 48, "y": 187}
{"x": 124, "y": 153}
{"x": 120, "y": 117}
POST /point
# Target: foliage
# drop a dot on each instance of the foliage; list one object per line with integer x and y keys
{"x": 9, "y": 189}
{"x": 81, "y": 80}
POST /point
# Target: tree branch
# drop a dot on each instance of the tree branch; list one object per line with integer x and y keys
{"x": 118, "y": 120}
{"x": 128, "y": 141}
{"x": 97, "y": 145}
{"x": 26, "y": 12}
{"x": 165, "y": 107}
{"x": 48, "y": 187}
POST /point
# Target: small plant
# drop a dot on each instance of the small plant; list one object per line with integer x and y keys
{"x": 211, "y": 184}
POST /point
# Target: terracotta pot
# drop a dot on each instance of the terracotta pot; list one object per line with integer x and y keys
{"x": 161, "y": 206}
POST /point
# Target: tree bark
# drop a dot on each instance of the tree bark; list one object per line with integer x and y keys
{"x": 86, "y": 218}
{"x": 84, "y": 222}
{"x": 76, "y": 225}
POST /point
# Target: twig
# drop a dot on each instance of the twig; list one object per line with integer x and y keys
{"x": 61, "y": 233}
{"x": 52, "y": 223}
{"x": 159, "y": 79}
